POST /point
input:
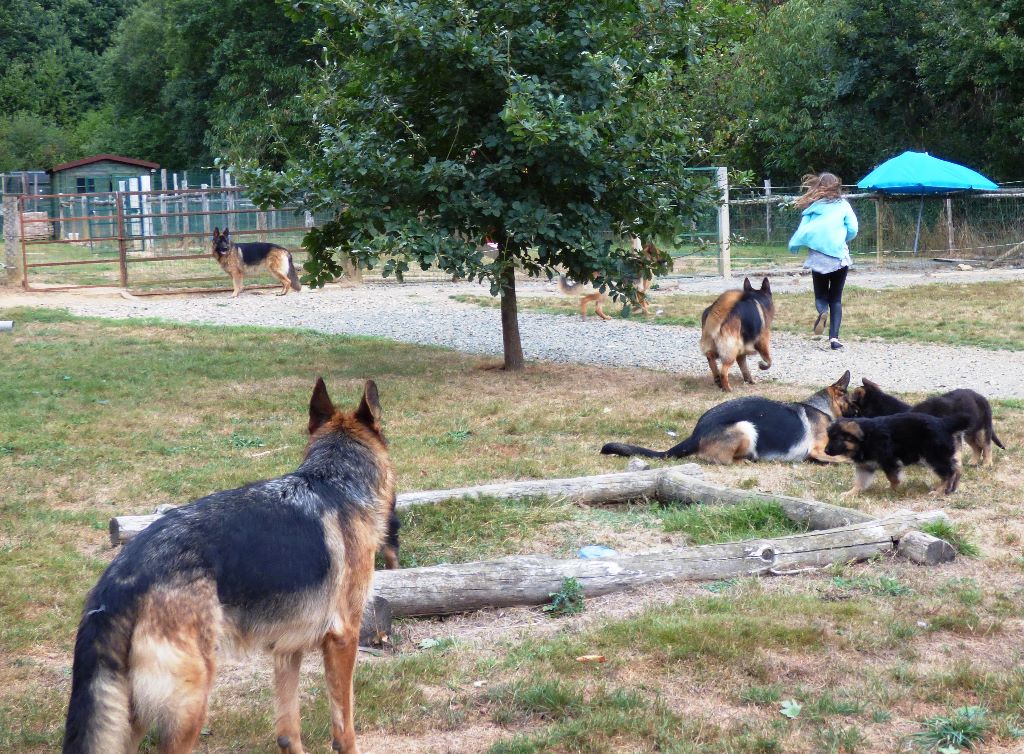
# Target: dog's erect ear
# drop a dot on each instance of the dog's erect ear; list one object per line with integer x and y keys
{"x": 852, "y": 428}
{"x": 843, "y": 382}
{"x": 225, "y": 234}
{"x": 871, "y": 385}
{"x": 320, "y": 407}
{"x": 765, "y": 288}
{"x": 746, "y": 285}
{"x": 369, "y": 408}
{"x": 216, "y": 233}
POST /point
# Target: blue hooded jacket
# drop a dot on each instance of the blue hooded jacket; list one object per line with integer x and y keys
{"x": 826, "y": 226}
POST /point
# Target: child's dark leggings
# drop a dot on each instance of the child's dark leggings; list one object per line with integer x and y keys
{"x": 828, "y": 294}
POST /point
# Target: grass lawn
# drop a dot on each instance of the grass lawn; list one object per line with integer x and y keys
{"x": 102, "y": 418}
{"x": 971, "y": 314}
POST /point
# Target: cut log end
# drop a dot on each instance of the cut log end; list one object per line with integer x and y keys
{"x": 924, "y": 549}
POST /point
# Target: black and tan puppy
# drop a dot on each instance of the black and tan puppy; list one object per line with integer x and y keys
{"x": 283, "y": 565}
{"x": 237, "y": 259}
{"x": 758, "y": 429}
{"x": 735, "y": 326}
{"x": 889, "y": 443}
{"x": 870, "y": 401}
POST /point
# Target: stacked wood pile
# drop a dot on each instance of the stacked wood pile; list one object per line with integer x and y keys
{"x": 36, "y": 226}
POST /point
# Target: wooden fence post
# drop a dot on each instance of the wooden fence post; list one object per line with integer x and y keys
{"x": 122, "y": 244}
{"x": 879, "y": 211}
{"x": 767, "y": 210}
{"x": 12, "y": 234}
{"x": 724, "y": 251}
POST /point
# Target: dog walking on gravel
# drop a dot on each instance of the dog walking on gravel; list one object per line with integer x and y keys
{"x": 283, "y": 565}
{"x": 738, "y": 324}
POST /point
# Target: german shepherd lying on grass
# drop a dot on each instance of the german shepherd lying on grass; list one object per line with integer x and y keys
{"x": 283, "y": 565}
{"x": 736, "y": 325}
{"x": 757, "y": 428}
{"x": 889, "y": 443}
{"x": 236, "y": 259}
{"x": 870, "y": 401}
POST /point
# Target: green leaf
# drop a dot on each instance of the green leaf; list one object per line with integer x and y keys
{"x": 791, "y": 708}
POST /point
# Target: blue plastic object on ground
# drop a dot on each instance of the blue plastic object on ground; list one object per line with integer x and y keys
{"x": 597, "y": 551}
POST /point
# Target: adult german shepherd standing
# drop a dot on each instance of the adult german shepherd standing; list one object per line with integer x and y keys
{"x": 736, "y": 325}
{"x": 758, "y": 429}
{"x": 283, "y": 565}
{"x": 239, "y": 258}
{"x": 871, "y": 401}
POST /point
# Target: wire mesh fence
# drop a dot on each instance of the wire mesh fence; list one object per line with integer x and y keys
{"x": 154, "y": 241}
{"x": 906, "y": 231}
{"x": 150, "y": 241}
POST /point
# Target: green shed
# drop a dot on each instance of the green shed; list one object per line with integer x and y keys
{"x": 98, "y": 173}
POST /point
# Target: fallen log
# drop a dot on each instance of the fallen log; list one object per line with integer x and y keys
{"x": 924, "y": 549}
{"x": 665, "y": 485}
{"x": 530, "y": 580}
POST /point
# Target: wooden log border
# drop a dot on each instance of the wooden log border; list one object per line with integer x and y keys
{"x": 836, "y": 535}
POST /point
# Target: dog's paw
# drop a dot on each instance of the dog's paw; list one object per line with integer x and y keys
{"x": 764, "y": 365}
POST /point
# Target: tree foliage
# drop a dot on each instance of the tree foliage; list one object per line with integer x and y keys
{"x": 50, "y": 75}
{"x": 553, "y": 129}
{"x": 844, "y": 85}
{"x": 188, "y": 79}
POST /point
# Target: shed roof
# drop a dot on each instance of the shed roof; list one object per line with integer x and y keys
{"x": 104, "y": 158}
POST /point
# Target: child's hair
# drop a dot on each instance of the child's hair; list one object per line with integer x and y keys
{"x": 823, "y": 186}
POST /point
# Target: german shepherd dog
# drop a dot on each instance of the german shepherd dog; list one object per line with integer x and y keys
{"x": 587, "y": 293}
{"x": 870, "y": 401}
{"x": 239, "y": 258}
{"x": 889, "y": 443}
{"x": 758, "y": 429}
{"x": 653, "y": 253}
{"x": 283, "y": 565}
{"x": 736, "y": 325}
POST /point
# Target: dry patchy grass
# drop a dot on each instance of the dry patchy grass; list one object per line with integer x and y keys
{"x": 106, "y": 418}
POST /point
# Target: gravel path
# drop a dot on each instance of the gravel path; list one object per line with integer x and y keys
{"x": 425, "y": 314}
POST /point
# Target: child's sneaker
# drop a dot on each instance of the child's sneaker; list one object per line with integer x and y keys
{"x": 836, "y": 345}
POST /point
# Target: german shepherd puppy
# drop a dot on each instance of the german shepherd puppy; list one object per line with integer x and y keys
{"x": 888, "y": 443}
{"x": 238, "y": 258}
{"x": 283, "y": 565}
{"x": 736, "y": 325}
{"x": 757, "y": 428}
{"x": 587, "y": 293}
{"x": 870, "y": 401}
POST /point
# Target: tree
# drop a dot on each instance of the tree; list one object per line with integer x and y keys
{"x": 553, "y": 130}
{"x": 189, "y": 79}
{"x": 846, "y": 84}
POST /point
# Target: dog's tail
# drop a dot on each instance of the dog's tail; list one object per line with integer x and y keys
{"x": 995, "y": 438}
{"x": 687, "y": 447}
{"x": 99, "y": 713}
{"x": 293, "y": 276}
{"x": 569, "y": 289}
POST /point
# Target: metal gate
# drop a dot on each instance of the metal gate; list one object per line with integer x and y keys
{"x": 145, "y": 241}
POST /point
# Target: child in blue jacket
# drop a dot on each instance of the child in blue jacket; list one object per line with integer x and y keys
{"x": 827, "y": 224}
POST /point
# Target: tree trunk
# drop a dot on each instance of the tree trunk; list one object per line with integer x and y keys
{"x": 510, "y": 339}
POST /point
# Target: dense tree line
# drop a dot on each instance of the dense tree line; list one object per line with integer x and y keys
{"x": 176, "y": 81}
{"x": 777, "y": 87}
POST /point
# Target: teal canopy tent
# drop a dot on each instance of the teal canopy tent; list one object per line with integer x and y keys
{"x": 920, "y": 174}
